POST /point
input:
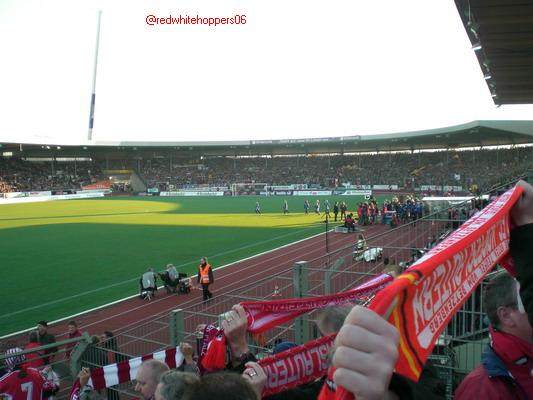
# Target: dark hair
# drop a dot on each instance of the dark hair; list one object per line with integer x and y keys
{"x": 500, "y": 292}
{"x": 34, "y": 337}
{"x": 224, "y": 386}
{"x": 73, "y": 323}
{"x": 43, "y": 323}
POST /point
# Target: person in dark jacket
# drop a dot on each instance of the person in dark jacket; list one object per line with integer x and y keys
{"x": 44, "y": 339}
{"x": 508, "y": 361}
{"x": 521, "y": 246}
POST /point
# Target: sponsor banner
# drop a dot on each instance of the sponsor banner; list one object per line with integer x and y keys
{"x": 312, "y": 193}
{"x": 359, "y": 187}
{"x": 443, "y": 188}
{"x": 281, "y": 187}
{"x": 98, "y": 185}
{"x": 283, "y": 192}
{"x": 118, "y": 171}
{"x": 37, "y": 199}
{"x": 77, "y": 196}
{"x": 265, "y": 315}
{"x": 385, "y": 187}
{"x": 357, "y": 193}
{"x": 14, "y": 195}
{"x": 94, "y": 191}
{"x": 296, "y": 366}
{"x": 188, "y": 193}
{"x": 152, "y": 190}
{"x": 37, "y": 194}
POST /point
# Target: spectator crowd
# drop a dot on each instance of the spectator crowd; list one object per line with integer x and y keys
{"x": 472, "y": 170}
{"x": 17, "y": 175}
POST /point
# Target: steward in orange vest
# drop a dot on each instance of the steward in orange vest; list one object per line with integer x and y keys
{"x": 205, "y": 277}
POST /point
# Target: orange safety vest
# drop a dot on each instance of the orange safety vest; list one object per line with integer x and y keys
{"x": 204, "y": 273}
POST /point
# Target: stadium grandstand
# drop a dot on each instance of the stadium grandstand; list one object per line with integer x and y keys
{"x": 469, "y": 156}
{"x": 380, "y": 266}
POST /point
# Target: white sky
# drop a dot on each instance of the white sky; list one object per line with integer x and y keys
{"x": 298, "y": 68}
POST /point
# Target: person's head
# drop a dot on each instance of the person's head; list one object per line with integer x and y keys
{"x": 331, "y": 319}
{"x": 169, "y": 266}
{"x": 72, "y": 327}
{"x": 501, "y": 306}
{"x": 224, "y": 386}
{"x": 203, "y": 261}
{"x": 283, "y": 346}
{"x": 42, "y": 327}
{"x": 176, "y": 385}
{"x": 148, "y": 377}
{"x": 33, "y": 337}
{"x": 108, "y": 338}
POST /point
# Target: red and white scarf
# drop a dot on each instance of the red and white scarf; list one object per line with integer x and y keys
{"x": 296, "y": 366}
{"x": 126, "y": 371}
{"x": 421, "y": 301}
{"x": 265, "y": 315}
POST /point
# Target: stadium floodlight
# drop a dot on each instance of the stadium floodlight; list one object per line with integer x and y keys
{"x": 476, "y": 46}
{"x": 487, "y": 76}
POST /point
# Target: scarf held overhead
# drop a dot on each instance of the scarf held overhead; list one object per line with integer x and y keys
{"x": 421, "y": 301}
{"x": 265, "y": 315}
{"x": 125, "y": 371}
{"x": 297, "y": 366}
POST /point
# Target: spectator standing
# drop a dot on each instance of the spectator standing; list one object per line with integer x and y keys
{"x": 505, "y": 372}
{"x": 73, "y": 332}
{"x": 520, "y": 246}
{"x": 33, "y": 360}
{"x": 44, "y": 339}
{"x": 343, "y": 208}
{"x": 336, "y": 210}
{"x": 205, "y": 278}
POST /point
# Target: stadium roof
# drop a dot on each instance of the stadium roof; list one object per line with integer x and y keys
{"x": 472, "y": 134}
{"x": 501, "y": 32}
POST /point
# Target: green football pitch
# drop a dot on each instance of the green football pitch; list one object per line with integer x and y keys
{"x": 62, "y": 257}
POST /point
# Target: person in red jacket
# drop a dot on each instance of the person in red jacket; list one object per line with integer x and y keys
{"x": 33, "y": 360}
{"x": 506, "y": 364}
{"x": 73, "y": 332}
